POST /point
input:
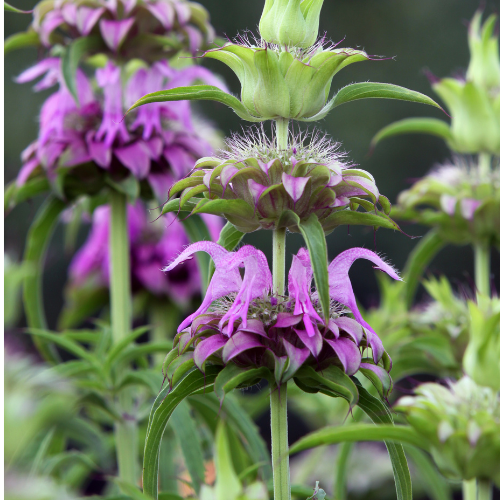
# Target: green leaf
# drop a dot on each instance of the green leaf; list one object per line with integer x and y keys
{"x": 368, "y": 90}
{"x": 163, "y": 408}
{"x": 197, "y": 230}
{"x": 81, "y": 303}
{"x": 129, "y": 489}
{"x": 357, "y": 432}
{"x": 341, "y": 470}
{"x": 431, "y": 126}
{"x": 380, "y": 414}
{"x": 238, "y": 208}
{"x": 72, "y": 57}
{"x": 314, "y": 237}
{"x": 197, "y": 93}
{"x": 146, "y": 378}
{"x": 17, "y": 194}
{"x": 418, "y": 260}
{"x": 227, "y": 484}
{"x": 188, "y": 437}
{"x": 138, "y": 351}
{"x": 21, "y": 40}
{"x": 229, "y": 238}
{"x": 37, "y": 241}
{"x": 233, "y": 376}
{"x": 9, "y": 8}
{"x": 331, "y": 381}
{"x": 128, "y": 186}
{"x": 436, "y": 486}
{"x": 354, "y": 218}
{"x": 238, "y": 419}
{"x": 120, "y": 346}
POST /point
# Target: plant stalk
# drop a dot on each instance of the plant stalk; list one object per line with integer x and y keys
{"x": 279, "y": 422}
{"x": 469, "y": 490}
{"x": 164, "y": 318}
{"x": 484, "y": 489}
{"x": 121, "y": 319}
{"x": 482, "y": 268}
{"x": 279, "y": 443}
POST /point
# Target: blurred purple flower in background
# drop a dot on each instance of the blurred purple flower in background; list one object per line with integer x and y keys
{"x": 158, "y": 143}
{"x": 151, "y": 245}
{"x": 241, "y": 321}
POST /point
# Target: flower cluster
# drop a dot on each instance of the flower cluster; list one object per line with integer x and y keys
{"x": 461, "y": 426}
{"x": 91, "y": 140}
{"x": 260, "y": 182}
{"x": 242, "y": 321}
{"x": 148, "y": 29}
{"x": 151, "y": 245}
{"x": 459, "y": 198}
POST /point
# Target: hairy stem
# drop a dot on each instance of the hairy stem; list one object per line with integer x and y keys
{"x": 279, "y": 244}
{"x": 121, "y": 306}
{"x": 282, "y": 133}
{"x": 469, "y": 490}
{"x": 484, "y": 489}
{"x": 279, "y": 443}
{"x": 482, "y": 268}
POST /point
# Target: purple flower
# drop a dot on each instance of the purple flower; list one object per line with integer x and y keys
{"x": 150, "y": 246}
{"x": 240, "y": 320}
{"x": 122, "y": 24}
{"x": 159, "y": 143}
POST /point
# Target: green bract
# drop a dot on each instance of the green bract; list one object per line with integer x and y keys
{"x": 458, "y": 198}
{"x": 461, "y": 427}
{"x": 293, "y": 23}
{"x": 473, "y": 102}
{"x": 284, "y": 83}
{"x": 482, "y": 356}
{"x": 255, "y": 185}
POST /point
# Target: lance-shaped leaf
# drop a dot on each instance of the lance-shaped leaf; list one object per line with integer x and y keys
{"x": 10, "y": 8}
{"x": 372, "y": 90}
{"x": 357, "y": 432}
{"x": 380, "y": 414}
{"x": 21, "y": 40}
{"x": 165, "y": 404}
{"x": 431, "y": 126}
{"x": 314, "y": 236}
{"x": 354, "y": 218}
{"x": 37, "y": 241}
{"x": 197, "y": 93}
{"x": 418, "y": 260}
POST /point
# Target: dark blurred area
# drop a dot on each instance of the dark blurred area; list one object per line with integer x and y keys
{"x": 414, "y": 36}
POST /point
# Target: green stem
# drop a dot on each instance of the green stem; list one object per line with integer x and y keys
{"x": 482, "y": 268}
{"x": 469, "y": 490}
{"x": 121, "y": 318}
{"x": 279, "y": 243}
{"x": 279, "y": 443}
{"x": 484, "y": 489}
{"x": 279, "y": 423}
{"x": 164, "y": 318}
{"x": 484, "y": 164}
{"x": 282, "y": 133}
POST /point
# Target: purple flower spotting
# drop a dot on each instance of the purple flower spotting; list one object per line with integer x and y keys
{"x": 151, "y": 245}
{"x": 242, "y": 321}
{"x": 159, "y": 143}
{"x": 125, "y": 26}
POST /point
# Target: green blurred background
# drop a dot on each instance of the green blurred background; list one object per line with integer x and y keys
{"x": 418, "y": 35}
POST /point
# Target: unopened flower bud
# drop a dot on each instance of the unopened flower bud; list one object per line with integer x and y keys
{"x": 292, "y": 23}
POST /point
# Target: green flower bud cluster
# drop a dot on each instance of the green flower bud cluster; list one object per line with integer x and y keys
{"x": 256, "y": 185}
{"x": 482, "y": 357}
{"x": 459, "y": 198}
{"x": 460, "y": 425}
{"x": 280, "y": 82}
{"x": 293, "y": 23}
{"x": 473, "y": 102}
